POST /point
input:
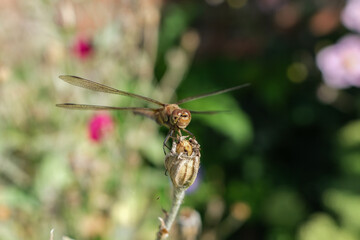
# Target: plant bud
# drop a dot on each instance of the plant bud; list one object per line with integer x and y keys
{"x": 183, "y": 162}
{"x": 184, "y": 147}
{"x": 189, "y": 223}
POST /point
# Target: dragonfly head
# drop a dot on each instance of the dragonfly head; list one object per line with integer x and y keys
{"x": 181, "y": 118}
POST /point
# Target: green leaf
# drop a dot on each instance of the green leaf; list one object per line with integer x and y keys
{"x": 235, "y": 124}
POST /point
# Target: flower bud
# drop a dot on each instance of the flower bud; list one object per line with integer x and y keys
{"x": 183, "y": 162}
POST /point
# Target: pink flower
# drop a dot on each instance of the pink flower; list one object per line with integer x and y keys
{"x": 82, "y": 47}
{"x": 351, "y": 15}
{"x": 100, "y": 125}
{"x": 340, "y": 63}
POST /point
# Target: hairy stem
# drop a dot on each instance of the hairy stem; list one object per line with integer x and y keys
{"x": 178, "y": 197}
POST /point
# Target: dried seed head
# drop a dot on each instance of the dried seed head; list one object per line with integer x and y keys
{"x": 184, "y": 147}
{"x": 183, "y": 162}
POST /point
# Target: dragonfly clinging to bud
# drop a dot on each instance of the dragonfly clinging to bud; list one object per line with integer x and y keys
{"x": 168, "y": 115}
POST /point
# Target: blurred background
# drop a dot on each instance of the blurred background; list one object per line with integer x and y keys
{"x": 284, "y": 164}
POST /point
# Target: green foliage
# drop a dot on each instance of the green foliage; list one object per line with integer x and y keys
{"x": 347, "y": 207}
{"x": 320, "y": 227}
{"x": 286, "y": 154}
{"x": 284, "y": 209}
{"x": 234, "y": 124}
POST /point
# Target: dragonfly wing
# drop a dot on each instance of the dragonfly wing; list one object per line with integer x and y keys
{"x": 211, "y": 94}
{"x": 209, "y": 112}
{"x": 85, "y": 83}
{"x": 149, "y": 113}
{"x": 98, "y": 107}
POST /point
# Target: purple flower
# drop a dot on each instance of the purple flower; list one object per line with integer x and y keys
{"x": 99, "y": 126}
{"x": 195, "y": 184}
{"x": 340, "y": 63}
{"x": 351, "y": 15}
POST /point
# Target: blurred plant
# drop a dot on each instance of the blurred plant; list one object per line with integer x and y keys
{"x": 189, "y": 224}
{"x": 195, "y": 185}
{"x": 350, "y": 16}
{"x": 346, "y": 205}
{"x": 240, "y": 212}
{"x": 340, "y": 63}
{"x": 82, "y": 48}
{"x": 270, "y": 5}
{"x": 322, "y": 227}
{"x": 325, "y": 21}
{"x": 348, "y": 148}
{"x": 82, "y": 190}
{"x": 99, "y": 126}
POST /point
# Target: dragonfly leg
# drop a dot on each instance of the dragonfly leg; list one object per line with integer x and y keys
{"x": 180, "y": 134}
{"x": 188, "y": 132}
{"x": 171, "y": 131}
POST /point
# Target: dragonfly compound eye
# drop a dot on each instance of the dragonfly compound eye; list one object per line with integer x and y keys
{"x": 175, "y": 116}
{"x": 185, "y": 118}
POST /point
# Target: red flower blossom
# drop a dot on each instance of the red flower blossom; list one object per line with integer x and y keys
{"x": 82, "y": 48}
{"x": 100, "y": 125}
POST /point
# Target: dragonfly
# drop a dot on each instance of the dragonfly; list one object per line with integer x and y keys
{"x": 172, "y": 116}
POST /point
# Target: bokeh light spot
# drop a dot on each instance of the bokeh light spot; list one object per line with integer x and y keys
{"x": 297, "y": 72}
{"x": 237, "y": 3}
